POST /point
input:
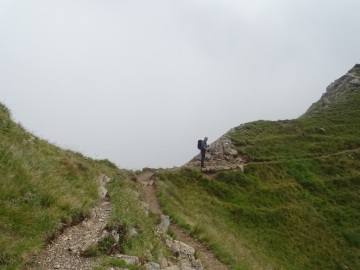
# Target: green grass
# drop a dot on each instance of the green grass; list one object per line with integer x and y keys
{"x": 291, "y": 215}
{"x": 43, "y": 187}
{"x": 297, "y": 204}
{"x": 128, "y": 212}
{"x": 118, "y": 263}
{"x": 314, "y": 135}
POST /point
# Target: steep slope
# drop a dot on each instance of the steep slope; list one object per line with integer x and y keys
{"x": 60, "y": 210}
{"x": 42, "y": 190}
{"x": 336, "y": 91}
{"x": 296, "y": 205}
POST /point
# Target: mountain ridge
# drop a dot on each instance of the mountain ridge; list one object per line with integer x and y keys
{"x": 222, "y": 154}
{"x": 345, "y": 84}
{"x": 295, "y": 203}
{"x": 276, "y": 194}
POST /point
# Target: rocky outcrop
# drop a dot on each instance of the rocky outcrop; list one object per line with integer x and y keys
{"x": 184, "y": 254}
{"x": 221, "y": 155}
{"x": 338, "y": 89}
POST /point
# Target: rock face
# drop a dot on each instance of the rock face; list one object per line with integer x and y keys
{"x": 338, "y": 89}
{"x": 221, "y": 155}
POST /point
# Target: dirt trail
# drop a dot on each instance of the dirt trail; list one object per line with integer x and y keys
{"x": 208, "y": 260}
{"x": 64, "y": 251}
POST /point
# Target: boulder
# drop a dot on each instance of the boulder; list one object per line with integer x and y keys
{"x": 355, "y": 82}
{"x": 152, "y": 266}
{"x": 164, "y": 225}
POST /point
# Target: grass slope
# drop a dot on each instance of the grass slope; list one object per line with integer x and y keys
{"x": 297, "y": 204}
{"x": 43, "y": 188}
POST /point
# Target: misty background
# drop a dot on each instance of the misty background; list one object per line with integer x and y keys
{"x": 139, "y": 82}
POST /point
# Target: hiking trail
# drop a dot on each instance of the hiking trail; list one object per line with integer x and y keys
{"x": 208, "y": 260}
{"x": 65, "y": 250}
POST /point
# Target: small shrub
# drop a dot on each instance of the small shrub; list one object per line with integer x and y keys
{"x": 107, "y": 245}
{"x": 91, "y": 251}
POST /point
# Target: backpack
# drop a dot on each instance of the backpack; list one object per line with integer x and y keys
{"x": 199, "y": 144}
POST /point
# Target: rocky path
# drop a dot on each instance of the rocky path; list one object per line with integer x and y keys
{"x": 64, "y": 252}
{"x": 208, "y": 260}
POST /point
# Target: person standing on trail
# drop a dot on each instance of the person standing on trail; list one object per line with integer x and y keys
{"x": 203, "y": 148}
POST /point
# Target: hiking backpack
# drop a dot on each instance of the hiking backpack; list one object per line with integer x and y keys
{"x": 199, "y": 144}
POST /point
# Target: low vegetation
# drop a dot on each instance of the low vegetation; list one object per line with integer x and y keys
{"x": 296, "y": 205}
{"x": 44, "y": 188}
{"x": 117, "y": 263}
{"x": 129, "y": 214}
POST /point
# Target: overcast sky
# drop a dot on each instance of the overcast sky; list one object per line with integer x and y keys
{"x": 139, "y": 82}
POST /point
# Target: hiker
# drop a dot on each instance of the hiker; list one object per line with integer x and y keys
{"x": 203, "y": 150}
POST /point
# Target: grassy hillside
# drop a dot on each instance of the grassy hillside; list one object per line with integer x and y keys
{"x": 43, "y": 188}
{"x": 297, "y": 204}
